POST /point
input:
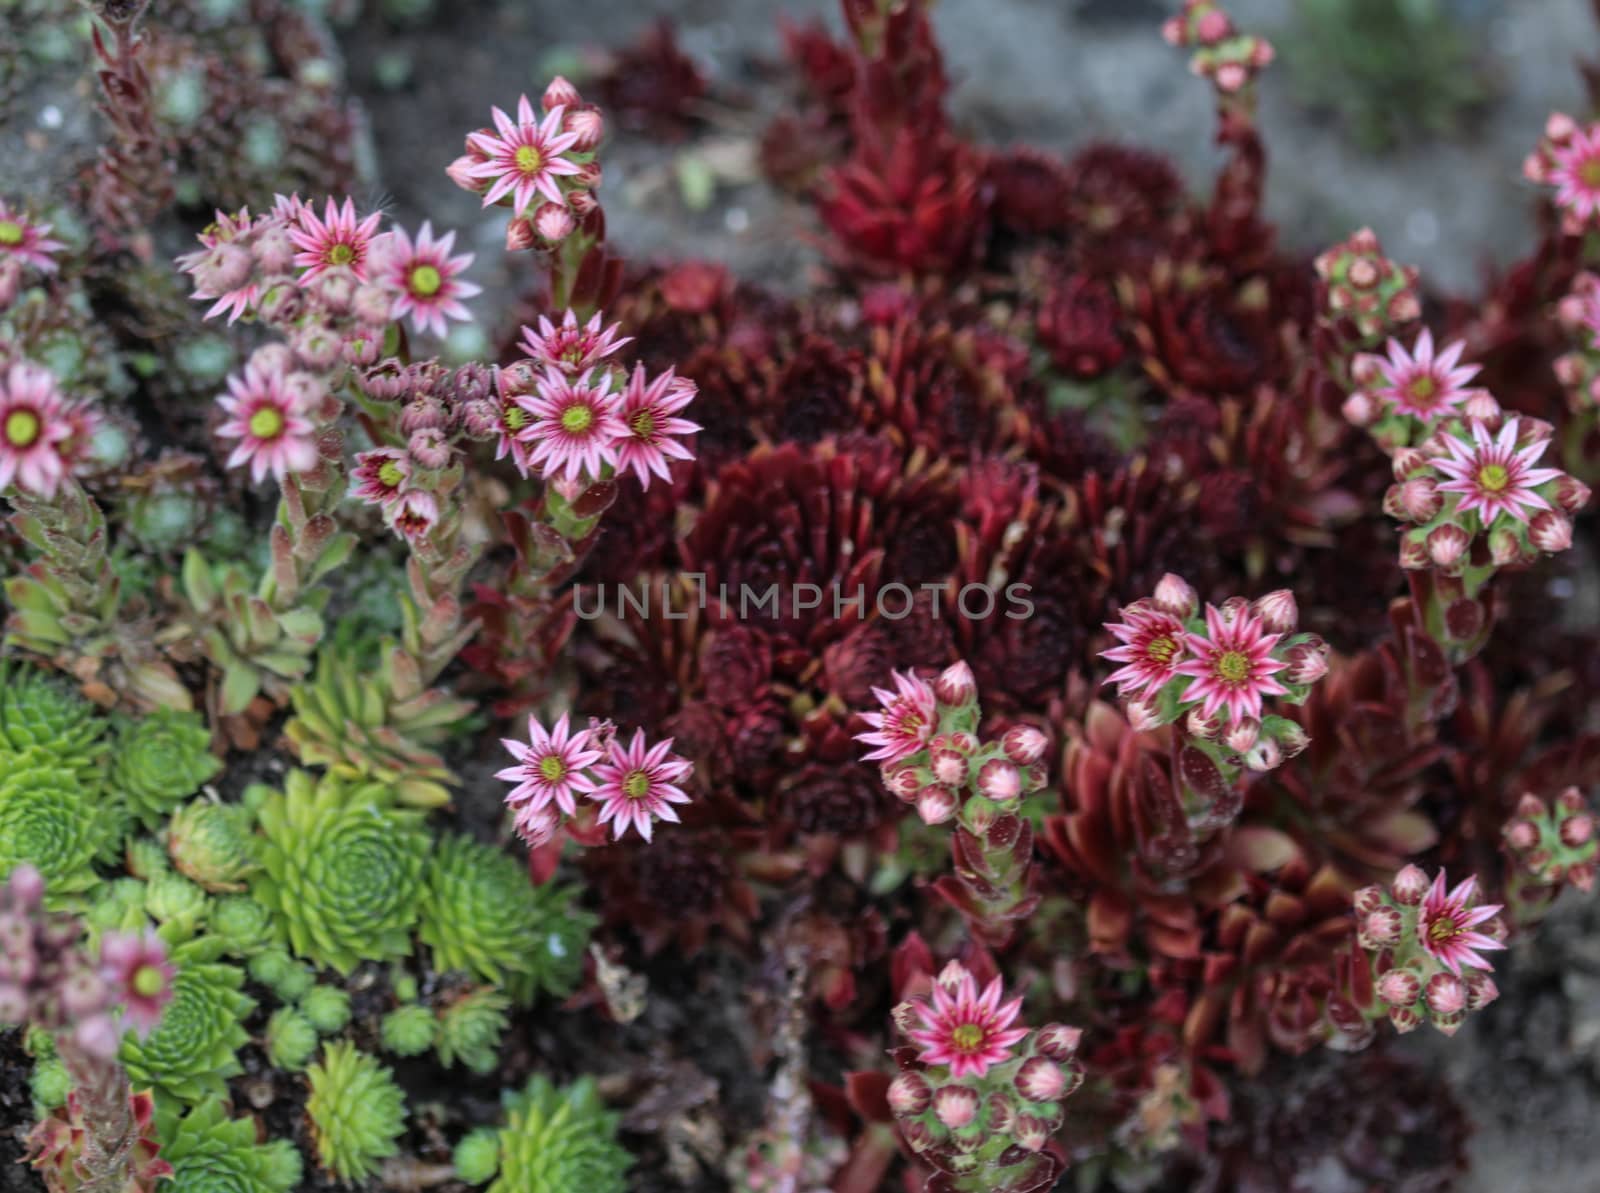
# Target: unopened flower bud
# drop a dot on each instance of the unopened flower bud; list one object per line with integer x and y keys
{"x": 1200, "y": 725}
{"x": 1366, "y": 368}
{"x": 1504, "y": 547}
{"x": 1024, "y": 744}
{"x": 956, "y": 686}
{"x": 1031, "y": 1132}
{"x": 1571, "y": 493}
{"x": 1277, "y": 611}
{"x": 955, "y": 1106}
{"x": 949, "y": 767}
{"x": 1481, "y": 991}
{"x": 1308, "y": 662}
{"x": 274, "y": 251}
{"x": 909, "y": 1095}
{"x": 1142, "y": 715}
{"x": 559, "y": 94}
{"x": 26, "y": 886}
{"x": 1581, "y": 875}
{"x": 1550, "y": 532}
{"x": 1000, "y": 781}
{"x": 917, "y": 1135}
{"x": 582, "y": 202}
{"x": 1359, "y": 409}
{"x": 520, "y": 234}
{"x": 1522, "y": 835}
{"x": 1232, "y": 609}
{"x": 98, "y": 1036}
{"x": 1404, "y": 1019}
{"x": 1577, "y": 830}
{"x": 422, "y": 413}
{"x": 1481, "y": 406}
{"x": 1000, "y": 1113}
{"x": 1409, "y": 885}
{"x": 554, "y": 222}
{"x": 371, "y": 305}
{"x": 903, "y": 782}
{"x": 1242, "y": 735}
{"x": 1176, "y": 596}
{"x": 1447, "y": 545}
{"x": 1414, "y": 554}
{"x": 1292, "y": 739}
{"x": 1058, "y": 1041}
{"x": 83, "y": 993}
{"x": 429, "y": 448}
{"x": 1420, "y": 500}
{"x": 1446, "y": 994}
{"x": 1040, "y": 1079}
{"x": 1035, "y": 777}
{"x": 936, "y": 803}
{"x": 1366, "y": 899}
{"x": 1399, "y": 988}
{"x": 587, "y": 125}
{"x": 1380, "y": 928}
{"x": 461, "y": 172}
{"x": 589, "y": 176}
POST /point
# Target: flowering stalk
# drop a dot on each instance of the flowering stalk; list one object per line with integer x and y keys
{"x": 1549, "y": 847}
{"x": 133, "y": 176}
{"x": 103, "y": 1140}
{"x": 1207, "y": 678}
{"x": 926, "y": 738}
{"x": 977, "y": 1098}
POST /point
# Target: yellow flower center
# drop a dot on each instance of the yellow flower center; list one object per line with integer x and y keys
{"x": 643, "y": 425}
{"x": 636, "y": 785}
{"x": 528, "y": 159}
{"x": 389, "y": 473}
{"x": 266, "y": 423}
{"x": 10, "y": 233}
{"x": 148, "y": 981}
{"x": 575, "y": 420}
{"x": 1443, "y": 930}
{"x": 425, "y": 281}
{"x": 1493, "y": 477}
{"x": 341, "y": 254}
{"x": 515, "y": 418}
{"x": 551, "y": 768}
{"x": 1162, "y": 649}
{"x": 1234, "y": 666}
{"x": 22, "y": 428}
{"x": 968, "y": 1037}
{"x": 1589, "y": 172}
{"x": 1424, "y": 389}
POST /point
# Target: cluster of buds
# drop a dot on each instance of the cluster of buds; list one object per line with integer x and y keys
{"x": 1375, "y": 294}
{"x": 633, "y": 785}
{"x": 1424, "y": 949}
{"x": 542, "y": 167}
{"x": 1209, "y": 674}
{"x": 977, "y": 1098}
{"x": 1231, "y": 59}
{"x": 1549, "y": 847}
{"x": 566, "y": 412}
{"x": 1579, "y": 371}
{"x": 1568, "y": 159}
{"x": 926, "y": 741}
{"x": 25, "y": 246}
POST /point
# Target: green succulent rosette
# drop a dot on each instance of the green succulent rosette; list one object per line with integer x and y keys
{"x": 45, "y": 712}
{"x": 213, "y": 844}
{"x": 342, "y": 868}
{"x": 470, "y": 1029}
{"x": 554, "y": 1141}
{"x": 51, "y": 820}
{"x": 357, "y": 1112}
{"x": 291, "y": 1040}
{"x": 327, "y": 1008}
{"x": 212, "y": 1153}
{"x": 191, "y": 1052}
{"x": 481, "y": 915}
{"x": 409, "y": 1030}
{"x": 245, "y": 926}
{"x": 160, "y": 761}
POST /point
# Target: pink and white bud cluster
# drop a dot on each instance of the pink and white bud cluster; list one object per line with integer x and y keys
{"x": 1480, "y": 478}
{"x": 1554, "y": 844}
{"x": 1579, "y": 370}
{"x": 978, "y": 1090}
{"x": 1211, "y": 673}
{"x": 1425, "y": 946}
{"x": 925, "y": 737}
{"x": 1567, "y": 158}
{"x": 541, "y": 166}
{"x": 48, "y": 981}
{"x": 1374, "y": 294}
{"x": 1224, "y": 55}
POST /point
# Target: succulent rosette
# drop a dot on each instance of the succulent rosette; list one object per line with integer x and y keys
{"x": 356, "y": 1112}
{"x": 554, "y": 1139}
{"x": 208, "y": 1150}
{"x": 160, "y": 760}
{"x": 193, "y": 1050}
{"x": 342, "y": 868}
